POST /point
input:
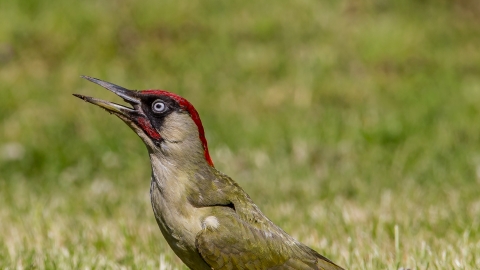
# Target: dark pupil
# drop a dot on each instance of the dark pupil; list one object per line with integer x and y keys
{"x": 159, "y": 106}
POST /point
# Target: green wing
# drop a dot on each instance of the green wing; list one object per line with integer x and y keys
{"x": 231, "y": 243}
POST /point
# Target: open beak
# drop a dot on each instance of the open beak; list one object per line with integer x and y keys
{"x": 133, "y": 117}
{"x": 128, "y": 96}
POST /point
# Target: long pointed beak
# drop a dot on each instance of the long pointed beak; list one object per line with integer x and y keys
{"x": 129, "y": 96}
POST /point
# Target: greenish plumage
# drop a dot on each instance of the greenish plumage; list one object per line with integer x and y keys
{"x": 247, "y": 239}
{"x": 206, "y": 217}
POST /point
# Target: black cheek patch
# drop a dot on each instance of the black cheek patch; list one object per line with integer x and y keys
{"x": 155, "y": 120}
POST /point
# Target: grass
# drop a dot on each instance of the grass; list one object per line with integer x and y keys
{"x": 353, "y": 125}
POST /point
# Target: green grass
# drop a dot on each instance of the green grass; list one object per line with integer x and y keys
{"x": 354, "y": 126}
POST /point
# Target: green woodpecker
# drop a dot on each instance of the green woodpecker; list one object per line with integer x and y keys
{"x": 208, "y": 220}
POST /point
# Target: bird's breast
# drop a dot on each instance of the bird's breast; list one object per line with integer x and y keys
{"x": 179, "y": 222}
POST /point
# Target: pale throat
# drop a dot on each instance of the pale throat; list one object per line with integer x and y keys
{"x": 164, "y": 172}
{"x": 172, "y": 177}
{"x": 178, "y": 157}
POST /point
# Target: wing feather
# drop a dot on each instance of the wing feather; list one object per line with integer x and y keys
{"x": 236, "y": 244}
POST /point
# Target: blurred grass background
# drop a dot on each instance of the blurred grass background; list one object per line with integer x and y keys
{"x": 354, "y": 125}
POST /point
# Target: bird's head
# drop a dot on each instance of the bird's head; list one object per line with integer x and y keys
{"x": 168, "y": 124}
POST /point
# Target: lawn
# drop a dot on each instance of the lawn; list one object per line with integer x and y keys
{"x": 354, "y": 125}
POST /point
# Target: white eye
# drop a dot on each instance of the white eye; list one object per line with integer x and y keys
{"x": 158, "y": 106}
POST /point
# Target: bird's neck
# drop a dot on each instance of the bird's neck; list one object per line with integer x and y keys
{"x": 175, "y": 177}
{"x": 165, "y": 174}
{"x": 178, "y": 219}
